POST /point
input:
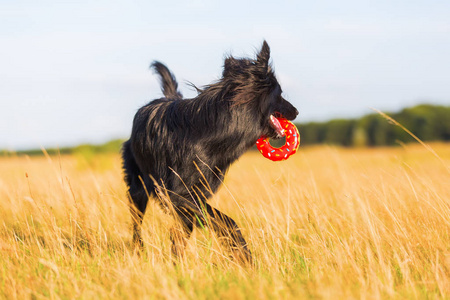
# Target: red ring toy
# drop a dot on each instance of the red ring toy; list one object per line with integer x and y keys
{"x": 285, "y": 151}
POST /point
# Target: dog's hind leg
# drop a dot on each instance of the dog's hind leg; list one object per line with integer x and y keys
{"x": 137, "y": 194}
{"x": 138, "y": 205}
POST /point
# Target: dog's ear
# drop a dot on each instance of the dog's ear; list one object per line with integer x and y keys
{"x": 264, "y": 55}
{"x": 228, "y": 65}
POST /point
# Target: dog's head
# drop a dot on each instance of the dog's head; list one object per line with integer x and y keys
{"x": 255, "y": 87}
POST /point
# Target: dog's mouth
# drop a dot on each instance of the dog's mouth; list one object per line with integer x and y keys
{"x": 275, "y": 124}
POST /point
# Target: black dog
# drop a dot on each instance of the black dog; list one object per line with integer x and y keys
{"x": 186, "y": 146}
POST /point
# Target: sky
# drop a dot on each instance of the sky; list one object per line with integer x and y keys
{"x": 77, "y": 71}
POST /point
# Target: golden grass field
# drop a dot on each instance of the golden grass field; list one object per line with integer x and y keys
{"x": 329, "y": 223}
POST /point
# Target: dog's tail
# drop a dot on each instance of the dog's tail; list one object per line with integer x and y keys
{"x": 169, "y": 85}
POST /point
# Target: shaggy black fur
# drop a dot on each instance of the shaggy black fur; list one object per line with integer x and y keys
{"x": 186, "y": 146}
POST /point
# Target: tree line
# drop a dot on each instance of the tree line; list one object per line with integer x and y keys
{"x": 112, "y": 146}
{"x": 427, "y": 122}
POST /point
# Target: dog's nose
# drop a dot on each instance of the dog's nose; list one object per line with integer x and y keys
{"x": 296, "y": 112}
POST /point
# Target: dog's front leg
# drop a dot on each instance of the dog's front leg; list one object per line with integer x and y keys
{"x": 226, "y": 227}
{"x": 180, "y": 233}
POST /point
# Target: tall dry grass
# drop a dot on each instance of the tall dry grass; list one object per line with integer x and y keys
{"x": 328, "y": 223}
